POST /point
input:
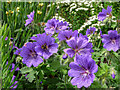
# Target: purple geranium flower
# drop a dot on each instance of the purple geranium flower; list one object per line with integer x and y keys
{"x": 30, "y": 18}
{"x": 111, "y": 41}
{"x": 61, "y": 26}
{"x": 45, "y": 45}
{"x": 67, "y": 35}
{"x": 14, "y": 82}
{"x": 54, "y": 25}
{"x": 30, "y": 57}
{"x": 78, "y": 46}
{"x": 51, "y": 26}
{"x": 82, "y": 71}
{"x": 91, "y": 30}
{"x": 102, "y": 15}
{"x": 17, "y": 52}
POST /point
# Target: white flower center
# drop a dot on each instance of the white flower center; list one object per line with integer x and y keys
{"x": 113, "y": 41}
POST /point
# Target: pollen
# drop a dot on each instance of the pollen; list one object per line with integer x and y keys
{"x": 44, "y": 47}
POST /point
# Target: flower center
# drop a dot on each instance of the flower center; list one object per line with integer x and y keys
{"x": 44, "y": 47}
{"x": 68, "y": 38}
{"x": 85, "y": 73}
{"x": 51, "y": 27}
{"x": 33, "y": 54}
{"x": 77, "y": 50}
{"x": 91, "y": 32}
{"x": 113, "y": 41}
{"x": 59, "y": 28}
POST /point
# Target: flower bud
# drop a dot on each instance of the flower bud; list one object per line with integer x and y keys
{"x": 39, "y": 12}
{"x": 7, "y": 12}
{"x": 29, "y": 2}
{"x": 17, "y": 9}
{"x": 12, "y": 12}
{"x": 8, "y": 1}
{"x": 113, "y": 72}
{"x": 40, "y": 4}
{"x": 65, "y": 56}
{"x": 113, "y": 75}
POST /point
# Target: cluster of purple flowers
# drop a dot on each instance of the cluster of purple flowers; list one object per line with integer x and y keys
{"x": 83, "y": 68}
{"x": 54, "y": 25}
{"x": 33, "y": 51}
{"x": 102, "y": 15}
{"x": 111, "y": 41}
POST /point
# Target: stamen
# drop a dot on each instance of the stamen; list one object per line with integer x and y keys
{"x": 113, "y": 41}
{"x": 33, "y": 54}
{"x": 44, "y": 47}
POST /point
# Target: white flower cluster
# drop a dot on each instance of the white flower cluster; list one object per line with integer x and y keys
{"x": 89, "y": 22}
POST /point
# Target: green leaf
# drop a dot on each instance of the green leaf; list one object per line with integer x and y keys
{"x": 26, "y": 70}
{"x": 31, "y": 76}
{"x": 100, "y": 72}
{"x": 104, "y": 66}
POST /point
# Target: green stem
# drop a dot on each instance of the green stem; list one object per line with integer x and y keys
{"x": 99, "y": 43}
{"x": 37, "y": 83}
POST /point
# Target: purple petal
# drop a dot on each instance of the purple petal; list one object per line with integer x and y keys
{"x": 101, "y": 16}
{"x": 70, "y": 52}
{"x": 82, "y": 61}
{"x": 72, "y": 43}
{"x": 92, "y": 66}
{"x": 109, "y": 9}
{"x": 28, "y": 21}
{"x": 73, "y": 73}
{"x": 6, "y": 38}
{"x": 39, "y": 50}
{"x": 37, "y": 61}
{"x": 53, "y": 48}
{"x": 109, "y": 46}
{"x": 46, "y": 54}
{"x": 28, "y": 61}
{"x": 76, "y": 81}
{"x": 76, "y": 67}
{"x": 113, "y": 75}
{"x": 88, "y": 81}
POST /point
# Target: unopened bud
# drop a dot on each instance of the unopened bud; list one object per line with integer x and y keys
{"x": 65, "y": 56}
{"x": 7, "y": 12}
